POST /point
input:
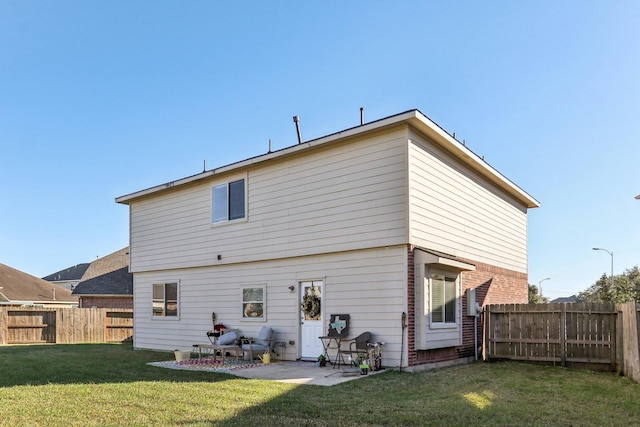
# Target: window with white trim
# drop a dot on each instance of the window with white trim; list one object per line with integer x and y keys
{"x": 443, "y": 299}
{"x": 254, "y": 303}
{"x": 165, "y": 299}
{"x": 229, "y": 201}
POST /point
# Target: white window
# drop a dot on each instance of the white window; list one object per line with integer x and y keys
{"x": 165, "y": 299}
{"x": 229, "y": 201}
{"x": 254, "y": 303}
{"x": 443, "y": 299}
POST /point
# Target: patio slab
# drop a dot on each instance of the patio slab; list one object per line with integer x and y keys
{"x": 298, "y": 372}
{"x": 295, "y": 372}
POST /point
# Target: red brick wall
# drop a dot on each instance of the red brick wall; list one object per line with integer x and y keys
{"x": 494, "y": 285}
{"x": 106, "y": 302}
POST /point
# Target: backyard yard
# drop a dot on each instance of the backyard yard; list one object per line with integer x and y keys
{"x": 111, "y": 384}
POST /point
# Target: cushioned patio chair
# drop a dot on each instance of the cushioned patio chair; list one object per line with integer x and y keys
{"x": 356, "y": 347}
{"x": 263, "y": 343}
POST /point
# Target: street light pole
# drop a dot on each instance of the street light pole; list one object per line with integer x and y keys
{"x": 540, "y": 285}
{"x": 610, "y": 253}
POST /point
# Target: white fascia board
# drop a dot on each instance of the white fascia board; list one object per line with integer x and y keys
{"x": 412, "y": 117}
{"x": 125, "y": 199}
{"x": 269, "y": 156}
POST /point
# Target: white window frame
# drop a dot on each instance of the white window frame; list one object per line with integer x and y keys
{"x": 244, "y": 315}
{"x": 164, "y": 301}
{"x": 457, "y": 307}
{"x": 218, "y": 218}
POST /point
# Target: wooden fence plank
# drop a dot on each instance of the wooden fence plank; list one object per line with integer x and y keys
{"x": 578, "y": 334}
{"x": 24, "y": 325}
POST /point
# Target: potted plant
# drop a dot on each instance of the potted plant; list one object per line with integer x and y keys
{"x": 363, "y": 363}
{"x": 322, "y": 361}
{"x": 181, "y": 355}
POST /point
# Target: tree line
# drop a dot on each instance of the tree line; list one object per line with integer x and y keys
{"x": 622, "y": 288}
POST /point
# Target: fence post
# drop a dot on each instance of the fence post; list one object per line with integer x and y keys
{"x": 4, "y": 328}
{"x": 631, "y": 350}
{"x": 563, "y": 336}
{"x": 487, "y": 337}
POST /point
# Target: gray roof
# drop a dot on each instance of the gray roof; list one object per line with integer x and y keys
{"x": 19, "y": 287}
{"x": 68, "y": 274}
{"x": 108, "y": 275}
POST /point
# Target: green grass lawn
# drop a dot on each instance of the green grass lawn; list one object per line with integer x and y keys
{"x": 111, "y": 385}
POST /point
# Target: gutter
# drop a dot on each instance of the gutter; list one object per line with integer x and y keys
{"x": 415, "y": 118}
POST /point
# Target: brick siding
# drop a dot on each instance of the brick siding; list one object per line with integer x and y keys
{"x": 494, "y": 285}
{"x": 106, "y": 302}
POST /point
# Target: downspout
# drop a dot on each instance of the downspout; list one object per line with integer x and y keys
{"x": 404, "y": 326}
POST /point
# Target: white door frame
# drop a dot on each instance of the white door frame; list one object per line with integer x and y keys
{"x": 311, "y": 329}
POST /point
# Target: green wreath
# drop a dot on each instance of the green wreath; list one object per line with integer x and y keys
{"x": 311, "y": 305}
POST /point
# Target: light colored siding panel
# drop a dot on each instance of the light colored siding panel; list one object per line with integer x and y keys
{"x": 455, "y": 211}
{"x": 345, "y": 197}
{"x": 369, "y": 285}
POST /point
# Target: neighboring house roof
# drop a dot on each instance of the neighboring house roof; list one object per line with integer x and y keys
{"x": 108, "y": 275}
{"x": 572, "y": 298}
{"x": 413, "y": 118}
{"x": 68, "y": 274}
{"x": 17, "y": 287}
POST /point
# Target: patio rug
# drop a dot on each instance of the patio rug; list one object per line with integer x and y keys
{"x": 208, "y": 365}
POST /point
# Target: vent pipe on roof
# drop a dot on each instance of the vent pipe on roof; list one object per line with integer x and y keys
{"x": 296, "y": 119}
{"x": 361, "y": 116}
{"x": 54, "y": 293}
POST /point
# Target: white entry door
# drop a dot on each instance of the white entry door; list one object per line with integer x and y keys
{"x": 311, "y": 311}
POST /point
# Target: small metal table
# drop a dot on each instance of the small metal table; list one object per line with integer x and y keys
{"x": 326, "y": 345}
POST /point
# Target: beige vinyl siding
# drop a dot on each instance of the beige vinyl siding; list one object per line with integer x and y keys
{"x": 370, "y": 285}
{"x": 340, "y": 197}
{"x": 455, "y": 211}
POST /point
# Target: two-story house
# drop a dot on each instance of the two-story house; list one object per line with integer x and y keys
{"x": 390, "y": 220}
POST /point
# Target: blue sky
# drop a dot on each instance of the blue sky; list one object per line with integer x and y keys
{"x": 101, "y": 99}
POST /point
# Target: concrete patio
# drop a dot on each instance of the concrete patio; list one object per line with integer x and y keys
{"x": 302, "y": 373}
{"x": 295, "y": 372}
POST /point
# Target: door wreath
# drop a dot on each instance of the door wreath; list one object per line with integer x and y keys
{"x": 311, "y": 304}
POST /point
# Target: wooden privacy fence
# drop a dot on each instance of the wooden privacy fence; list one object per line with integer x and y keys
{"x": 23, "y": 325}
{"x": 597, "y": 336}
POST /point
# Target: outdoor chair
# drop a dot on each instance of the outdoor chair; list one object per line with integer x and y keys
{"x": 356, "y": 346}
{"x": 263, "y": 343}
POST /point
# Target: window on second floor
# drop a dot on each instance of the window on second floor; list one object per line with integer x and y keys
{"x": 229, "y": 201}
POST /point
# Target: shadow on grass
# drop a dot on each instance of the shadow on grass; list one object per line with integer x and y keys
{"x": 478, "y": 394}
{"x": 90, "y": 364}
